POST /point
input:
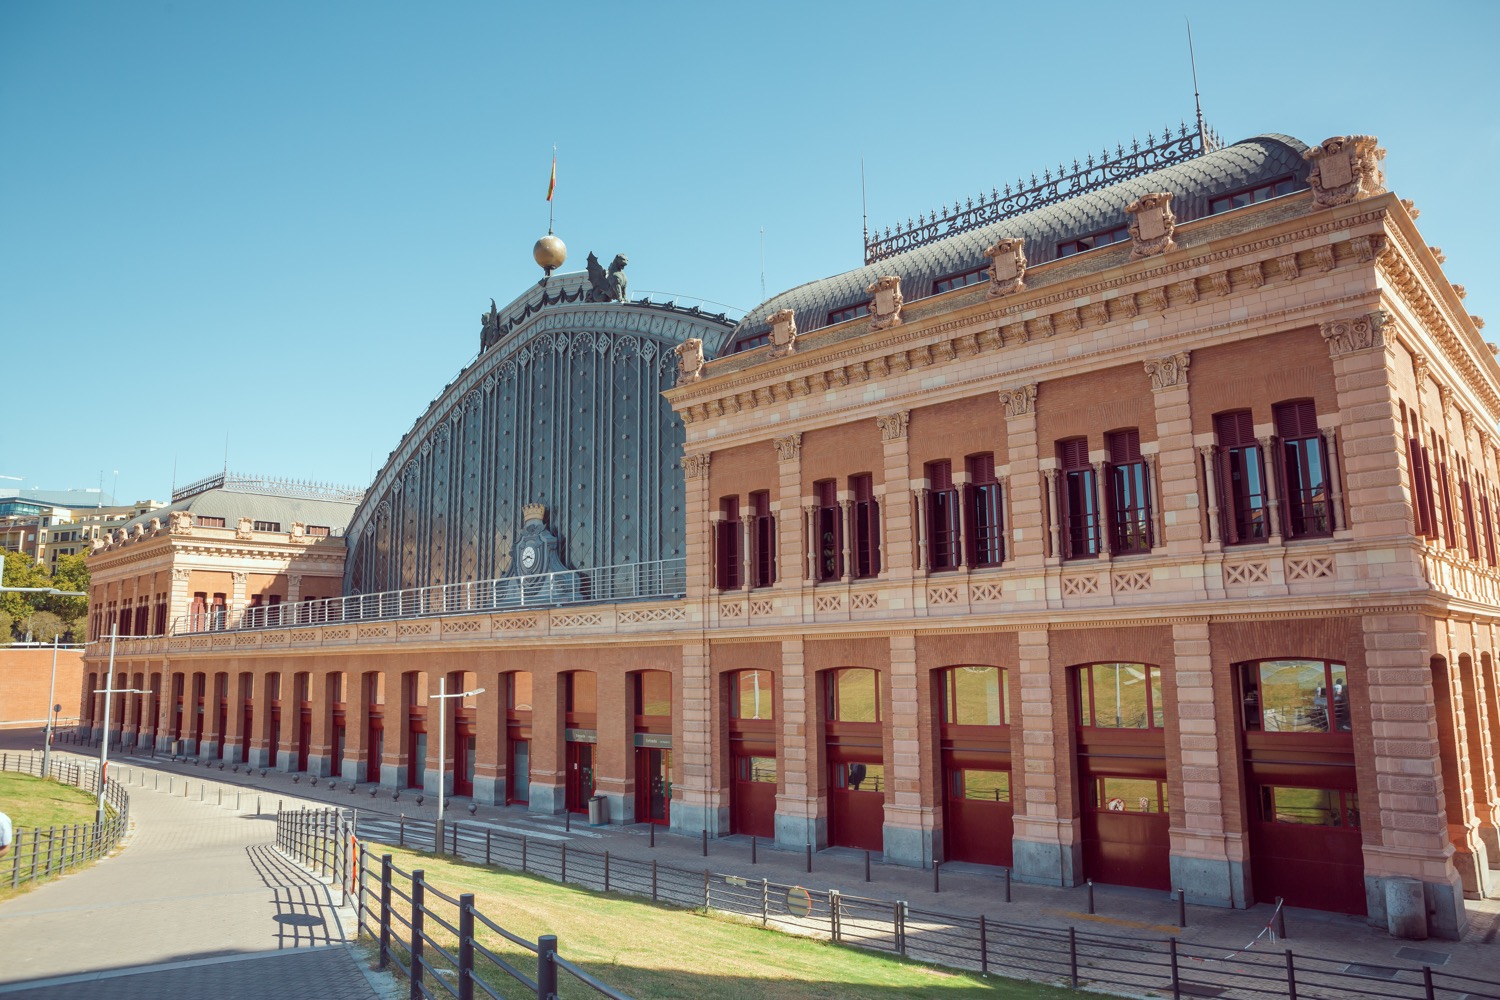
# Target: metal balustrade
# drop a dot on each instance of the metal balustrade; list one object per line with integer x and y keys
{"x": 662, "y": 579}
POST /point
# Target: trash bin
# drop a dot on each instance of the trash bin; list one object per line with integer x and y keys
{"x": 598, "y": 810}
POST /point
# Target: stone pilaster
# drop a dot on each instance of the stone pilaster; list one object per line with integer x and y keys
{"x": 700, "y": 804}
{"x": 1047, "y": 846}
{"x": 489, "y": 735}
{"x": 1027, "y": 527}
{"x": 908, "y": 828}
{"x": 801, "y": 813}
{"x": 698, "y": 538}
{"x": 896, "y": 510}
{"x": 1178, "y": 502}
{"x": 791, "y": 525}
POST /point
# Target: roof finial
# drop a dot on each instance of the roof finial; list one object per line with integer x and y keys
{"x": 1203, "y": 142}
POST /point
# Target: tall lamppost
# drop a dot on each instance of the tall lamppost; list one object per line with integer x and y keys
{"x": 442, "y": 698}
{"x": 108, "y": 690}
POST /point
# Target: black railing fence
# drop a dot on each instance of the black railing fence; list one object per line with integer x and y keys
{"x": 1075, "y": 956}
{"x": 36, "y": 853}
{"x": 438, "y": 941}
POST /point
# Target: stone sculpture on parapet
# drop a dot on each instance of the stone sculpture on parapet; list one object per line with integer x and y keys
{"x": 610, "y": 286}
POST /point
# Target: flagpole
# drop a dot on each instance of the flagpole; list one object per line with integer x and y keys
{"x": 550, "y": 188}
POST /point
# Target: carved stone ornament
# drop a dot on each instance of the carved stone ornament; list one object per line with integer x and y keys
{"x": 182, "y": 522}
{"x": 1168, "y": 372}
{"x": 689, "y": 360}
{"x": 1358, "y": 333}
{"x": 893, "y": 425}
{"x": 783, "y": 333}
{"x": 789, "y": 448}
{"x": 1020, "y": 400}
{"x": 1007, "y": 266}
{"x": 695, "y": 466}
{"x": 533, "y": 512}
{"x": 1344, "y": 168}
{"x": 607, "y": 286}
{"x": 299, "y": 529}
{"x": 181, "y": 574}
{"x": 1152, "y": 226}
{"x": 240, "y": 577}
{"x": 885, "y": 302}
{"x": 242, "y": 530}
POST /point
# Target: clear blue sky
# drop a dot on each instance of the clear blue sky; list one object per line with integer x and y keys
{"x": 281, "y": 221}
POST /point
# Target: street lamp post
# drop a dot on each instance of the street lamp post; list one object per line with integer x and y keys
{"x": 442, "y": 697}
{"x": 108, "y": 690}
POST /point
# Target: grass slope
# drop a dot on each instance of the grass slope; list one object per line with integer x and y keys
{"x": 33, "y": 803}
{"x": 647, "y": 950}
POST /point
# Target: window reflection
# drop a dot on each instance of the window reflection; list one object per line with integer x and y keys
{"x": 1296, "y": 696}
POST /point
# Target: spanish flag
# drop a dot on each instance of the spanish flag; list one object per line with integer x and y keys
{"x": 552, "y": 184}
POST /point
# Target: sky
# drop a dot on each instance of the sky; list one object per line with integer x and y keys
{"x": 268, "y": 230}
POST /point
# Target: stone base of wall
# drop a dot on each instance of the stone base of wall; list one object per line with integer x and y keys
{"x": 1047, "y": 864}
{"x": 794, "y": 833}
{"x": 906, "y": 846}
{"x": 1212, "y": 883}
{"x": 489, "y": 791}
{"x": 1446, "y": 918}
{"x": 547, "y": 799}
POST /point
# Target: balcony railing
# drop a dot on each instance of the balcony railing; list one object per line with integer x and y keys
{"x": 664, "y": 578}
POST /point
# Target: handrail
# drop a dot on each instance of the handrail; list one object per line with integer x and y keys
{"x": 662, "y": 578}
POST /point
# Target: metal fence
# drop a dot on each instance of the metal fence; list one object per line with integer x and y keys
{"x": 430, "y": 936}
{"x": 37, "y": 854}
{"x": 1074, "y": 956}
{"x": 664, "y": 578}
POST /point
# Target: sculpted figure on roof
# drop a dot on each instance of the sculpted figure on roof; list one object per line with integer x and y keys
{"x": 783, "y": 333}
{"x": 607, "y": 287}
{"x": 1344, "y": 168}
{"x": 689, "y": 360}
{"x": 1007, "y": 266}
{"x": 885, "y": 302}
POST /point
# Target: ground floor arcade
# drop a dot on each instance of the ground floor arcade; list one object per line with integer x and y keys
{"x": 1308, "y": 758}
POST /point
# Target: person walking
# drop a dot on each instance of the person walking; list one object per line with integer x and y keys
{"x": 6, "y": 834}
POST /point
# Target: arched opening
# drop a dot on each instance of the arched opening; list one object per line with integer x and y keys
{"x": 463, "y": 732}
{"x": 178, "y": 682}
{"x": 580, "y": 730}
{"x": 200, "y": 688}
{"x": 338, "y": 721}
{"x": 373, "y": 697}
{"x": 752, "y": 752}
{"x": 856, "y": 760}
{"x": 247, "y": 717}
{"x": 651, "y": 696}
{"x": 414, "y": 695}
{"x": 1120, "y": 719}
{"x": 273, "y": 719}
{"x": 1302, "y": 802}
{"x": 302, "y": 693}
{"x": 221, "y": 713}
{"x": 518, "y": 737}
{"x": 975, "y": 736}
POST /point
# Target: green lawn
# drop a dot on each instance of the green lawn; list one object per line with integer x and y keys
{"x": 32, "y": 803}
{"x": 655, "y": 951}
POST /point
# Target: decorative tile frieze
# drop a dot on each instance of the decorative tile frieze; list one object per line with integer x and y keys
{"x": 1244, "y": 574}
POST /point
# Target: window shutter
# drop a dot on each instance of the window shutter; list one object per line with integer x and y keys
{"x": 1296, "y": 419}
{"x": 981, "y": 468}
{"x": 1124, "y": 447}
{"x": 1073, "y": 454}
{"x": 1235, "y": 429}
{"x": 940, "y": 475}
{"x": 827, "y": 493}
{"x": 863, "y": 488}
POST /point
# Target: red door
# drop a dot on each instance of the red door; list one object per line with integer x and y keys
{"x": 653, "y": 785}
{"x": 336, "y": 765}
{"x": 245, "y": 732}
{"x": 463, "y": 760}
{"x": 856, "y": 802}
{"x": 223, "y": 725}
{"x": 752, "y": 799}
{"x": 304, "y": 737}
{"x": 374, "y": 748}
{"x": 518, "y": 767}
{"x": 1125, "y": 831}
{"x": 1306, "y": 848}
{"x": 580, "y": 781}
{"x": 977, "y": 812}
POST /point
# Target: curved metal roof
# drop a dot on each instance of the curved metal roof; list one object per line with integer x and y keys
{"x": 1245, "y": 164}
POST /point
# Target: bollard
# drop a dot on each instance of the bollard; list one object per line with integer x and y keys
{"x": 867, "y": 866}
{"x": 705, "y": 843}
{"x": 1181, "y": 908}
{"x": 984, "y": 948}
{"x": 466, "y": 946}
{"x": 1091, "y": 896}
{"x": 1176, "y": 980}
{"x": 937, "y": 866}
{"x": 752, "y": 850}
{"x": 1280, "y": 919}
{"x": 568, "y": 820}
{"x": 1007, "y": 885}
{"x": 1073, "y": 956}
{"x": 809, "y": 857}
{"x": 652, "y": 827}
{"x": 546, "y": 968}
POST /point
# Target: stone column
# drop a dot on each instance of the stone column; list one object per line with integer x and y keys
{"x": 747, "y": 554}
{"x": 238, "y": 599}
{"x": 1047, "y": 846}
{"x": 846, "y": 507}
{"x": 1406, "y": 762}
{"x": 549, "y": 755}
{"x": 897, "y": 515}
{"x": 801, "y": 814}
{"x": 1054, "y": 514}
{"x": 1207, "y": 859}
{"x": 908, "y": 827}
{"x": 1335, "y": 479}
{"x": 489, "y": 733}
{"x": 1101, "y": 496}
{"x": 1273, "y": 500}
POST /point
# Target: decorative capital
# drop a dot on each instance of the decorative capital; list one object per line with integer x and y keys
{"x": 789, "y": 448}
{"x": 1007, "y": 266}
{"x": 1169, "y": 372}
{"x": 783, "y": 333}
{"x": 695, "y": 466}
{"x": 689, "y": 360}
{"x": 533, "y": 512}
{"x": 1345, "y": 168}
{"x": 240, "y": 577}
{"x": 1421, "y": 370}
{"x": 1152, "y": 226}
{"x": 1020, "y": 400}
{"x": 181, "y": 574}
{"x": 1358, "y": 333}
{"x": 885, "y": 302}
{"x": 893, "y": 425}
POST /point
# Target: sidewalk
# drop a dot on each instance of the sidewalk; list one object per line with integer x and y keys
{"x": 964, "y": 889}
{"x": 197, "y": 903}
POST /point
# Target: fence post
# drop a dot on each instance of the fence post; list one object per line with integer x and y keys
{"x": 523, "y": 853}
{"x": 563, "y": 877}
{"x": 418, "y": 908}
{"x": 904, "y": 907}
{"x": 1291, "y": 977}
{"x": 401, "y": 837}
{"x": 984, "y": 947}
{"x": 1176, "y": 982}
{"x": 867, "y": 866}
{"x": 546, "y": 969}
{"x": 466, "y": 946}
{"x": 385, "y": 910}
{"x": 487, "y": 848}
{"x": 653, "y": 880}
{"x": 51, "y": 839}
{"x": 706, "y": 898}
{"x": 1073, "y": 956}
{"x": 834, "y": 907}
{"x": 455, "y": 841}
{"x": 752, "y": 849}
{"x": 36, "y": 848}
{"x": 606, "y": 871}
{"x": 765, "y": 902}
{"x": 1427, "y": 982}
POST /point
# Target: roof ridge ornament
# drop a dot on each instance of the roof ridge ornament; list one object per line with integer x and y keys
{"x": 1175, "y": 145}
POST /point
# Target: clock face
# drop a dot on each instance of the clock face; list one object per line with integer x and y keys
{"x": 529, "y": 557}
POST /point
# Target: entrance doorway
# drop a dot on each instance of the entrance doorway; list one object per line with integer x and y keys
{"x": 580, "y": 780}
{"x": 653, "y": 785}
{"x": 752, "y": 746}
{"x": 975, "y": 731}
{"x": 463, "y": 760}
{"x": 856, "y": 764}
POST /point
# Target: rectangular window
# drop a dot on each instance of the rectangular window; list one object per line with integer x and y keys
{"x": 1471, "y": 536}
{"x": 853, "y": 695}
{"x": 518, "y": 691}
{"x": 208, "y": 522}
{"x": 985, "y": 529}
{"x": 1296, "y": 696}
{"x": 756, "y": 769}
{"x": 1304, "y": 470}
{"x": 1309, "y": 806}
{"x": 975, "y": 696}
{"x": 727, "y": 544}
{"x": 578, "y": 691}
{"x": 1120, "y": 696}
{"x": 1445, "y": 493}
{"x": 953, "y": 281}
{"x": 1078, "y": 500}
{"x": 848, "y": 313}
{"x": 1103, "y": 238}
{"x": 318, "y": 530}
{"x": 752, "y": 342}
{"x": 1131, "y": 795}
{"x": 942, "y": 518}
{"x": 828, "y": 523}
{"x": 1424, "y": 511}
{"x": 860, "y": 777}
{"x": 1487, "y": 519}
{"x": 1129, "y": 494}
{"x": 1242, "y": 484}
{"x": 865, "y": 513}
{"x": 979, "y": 786}
{"x": 762, "y": 541}
{"x": 653, "y": 693}
{"x": 267, "y": 525}
{"x": 753, "y": 695}
{"x": 1251, "y": 195}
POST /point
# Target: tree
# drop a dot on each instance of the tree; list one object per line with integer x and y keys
{"x": 72, "y": 573}
{"x": 78, "y": 629}
{"x": 6, "y": 621}
{"x": 20, "y": 571}
{"x": 44, "y": 626}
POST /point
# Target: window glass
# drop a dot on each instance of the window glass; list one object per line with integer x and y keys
{"x": 757, "y": 769}
{"x": 860, "y": 777}
{"x": 755, "y": 694}
{"x": 1296, "y": 696}
{"x": 855, "y": 696}
{"x": 1309, "y": 806}
{"x": 981, "y": 786}
{"x": 655, "y": 693}
{"x": 1120, "y": 696}
{"x": 1132, "y": 795}
{"x": 975, "y": 696}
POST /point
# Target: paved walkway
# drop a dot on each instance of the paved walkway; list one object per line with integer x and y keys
{"x": 197, "y": 903}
